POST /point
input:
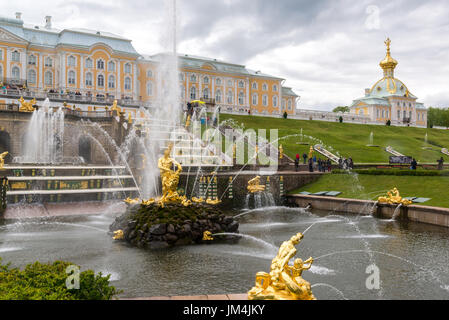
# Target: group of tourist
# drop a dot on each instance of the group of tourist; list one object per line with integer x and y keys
{"x": 346, "y": 164}
{"x": 314, "y": 163}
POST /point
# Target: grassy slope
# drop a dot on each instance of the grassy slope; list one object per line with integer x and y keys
{"x": 370, "y": 187}
{"x": 351, "y": 139}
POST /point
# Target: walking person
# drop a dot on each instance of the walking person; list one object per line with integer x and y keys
{"x": 310, "y": 165}
{"x": 440, "y": 163}
{"x": 329, "y": 165}
{"x": 304, "y": 156}
{"x": 297, "y": 163}
{"x": 414, "y": 164}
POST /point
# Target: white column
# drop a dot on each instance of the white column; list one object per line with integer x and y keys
{"x": 62, "y": 72}
{"x": 212, "y": 92}
{"x": 23, "y": 61}
{"x": 135, "y": 81}
{"x": 8, "y": 62}
{"x": 247, "y": 92}
{"x": 41, "y": 70}
{"x": 200, "y": 78}
{"x": 187, "y": 86}
{"x": 236, "y": 101}
{"x": 81, "y": 71}
{"x": 119, "y": 80}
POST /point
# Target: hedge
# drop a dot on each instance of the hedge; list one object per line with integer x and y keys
{"x": 395, "y": 172}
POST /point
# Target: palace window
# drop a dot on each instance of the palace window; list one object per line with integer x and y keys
{"x": 218, "y": 82}
{"x": 149, "y": 74}
{"x": 1, "y": 72}
{"x": 149, "y": 88}
{"x": 31, "y": 76}
{"x": 283, "y": 104}
{"x": 48, "y": 62}
{"x": 419, "y": 115}
{"x": 89, "y": 79}
{"x": 192, "y": 78}
{"x": 410, "y": 114}
{"x": 241, "y": 98}
{"x": 100, "y": 64}
{"x": 32, "y": 60}
{"x": 254, "y": 86}
{"x": 192, "y": 93}
{"x": 275, "y": 88}
{"x": 89, "y": 63}
{"x": 127, "y": 68}
{"x": 48, "y": 78}
{"x": 254, "y": 99}
{"x": 127, "y": 83}
{"x": 15, "y": 73}
{"x": 399, "y": 114}
{"x": 111, "y": 82}
{"x": 241, "y": 84}
{"x": 265, "y": 100}
{"x": 289, "y": 104}
{"x": 218, "y": 96}
{"x": 229, "y": 97}
{"x": 71, "y": 77}
{"x": 229, "y": 83}
{"x": 181, "y": 77}
{"x": 206, "y": 80}
{"x": 264, "y": 87}
{"x": 206, "y": 93}
{"x": 1, "y": 55}
{"x": 111, "y": 66}
{"x": 15, "y": 56}
{"x": 405, "y": 114}
{"x": 100, "y": 81}
{"x": 377, "y": 112}
{"x": 275, "y": 101}
{"x": 383, "y": 114}
{"x": 71, "y": 62}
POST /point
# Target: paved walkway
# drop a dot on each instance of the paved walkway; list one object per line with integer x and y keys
{"x": 243, "y": 296}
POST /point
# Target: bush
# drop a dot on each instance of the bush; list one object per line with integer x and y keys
{"x": 40, "y": 281}
{"x": 395, "y": 172}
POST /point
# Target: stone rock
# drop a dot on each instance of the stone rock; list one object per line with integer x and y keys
{"x": 159, "y": 229}
{"x": 186, "y": 228}
{"x": 170, "y": 228}
{"x": 183, "y": 242}
{"x": 171, "y": 238}
{"x": 132, "y": 235}
{"x": 132, "y": 224}
{"x": 157, "y": 245}
{"x": 228, "y": 220}
{"x": 233, "y": 227}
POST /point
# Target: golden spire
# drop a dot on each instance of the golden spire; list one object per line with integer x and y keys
{"x": 388, "y": 64}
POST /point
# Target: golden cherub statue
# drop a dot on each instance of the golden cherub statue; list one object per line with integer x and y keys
{"x": 281, "y": 152}
{"x": 131, "y": 201}
{"x": 26, "y": 106}
{"x": 169, "y": 177}
{"x": 118, "y": 235}
{"x": 207, "y": 236}
{"x": 284, "y": 282}
{"x": 310, "y": 152}
{"x": 255, "y": 186}
{"x": 393, "y": 197}
{"x": 2, "y": 159}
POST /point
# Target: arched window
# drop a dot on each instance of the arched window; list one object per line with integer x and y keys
{"x": 100, "y": 64}
{"x": 192, "y": 93}
{"x": 111, "y": 66}
{"x": 264, "y": 87}
{"x": 383, "y": 113}
{"x": 149, "y": 89}
{"x": 32, "y": 60}
{"x": 15, "y": 56}
{"x": 229, "y": 97}
{"x": 254, "y": 100}
{"x": 399, "y": 114}
{"x": 71, "y": 77}
{"x": 192, "y": 78}
{"x": 15, "y": 73}
{"x": 275, "y": 88}
{"x": 283, "y": 104}
{"x": 218, "y": 82}
{"x": 241, "y": 84}
{"x": 71, "y": 61}
{"x": 289, "y": 104}
{"x": 254, "y": 86}
{"x": 31, "y": 76}
{"x": 127, "y": 68}
{"x": 230, "y": 83}
{"x": 206, "y": 80}
{"x": 149, "y": 74}
{"x": 89, "y": 63}
{"x": 377, "y": 112}
{"x": 111, "y": 82}
{"x": 410, "y": 114}
{"x": 89, "y": 79}
{"x": 241, "y": 98}
{"x": 218, "y": 96}
{"x": 206, "y": 93}
{"x": 127, "y": 83}
{"x": 1, "y": 71}
{"x": 275, "y": 101}
{"x": 48, "y": 62}
{"x": 100, "y": 81}
{"x": 405, "y": 114}
{"x": 265, "y": 100}
{"x": 48, "y": 78}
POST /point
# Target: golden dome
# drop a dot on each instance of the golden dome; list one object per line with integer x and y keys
{"x": 388, "y": 64}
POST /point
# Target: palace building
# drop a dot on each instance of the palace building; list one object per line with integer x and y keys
{"x": 91, "y": 69}
{"x": 390, "y": 99}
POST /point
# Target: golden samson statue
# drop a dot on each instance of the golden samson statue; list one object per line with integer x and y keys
{"x": 284, "y": 282}
{"x": 26, "y": 106}
{"x": 255, "y": 186}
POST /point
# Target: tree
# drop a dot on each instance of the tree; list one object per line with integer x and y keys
{"x": 344, "y": 109}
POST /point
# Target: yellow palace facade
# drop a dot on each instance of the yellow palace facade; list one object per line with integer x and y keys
{"x": 90, "y": 69}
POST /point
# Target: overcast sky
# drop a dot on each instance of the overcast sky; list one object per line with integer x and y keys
{"x": 328, "y": 51}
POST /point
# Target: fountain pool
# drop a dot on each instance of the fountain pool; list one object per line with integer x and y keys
{"x": 411, "y": 257}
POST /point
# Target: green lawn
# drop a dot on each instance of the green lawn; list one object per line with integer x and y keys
{"x": 370, "y": 187}
{"x": 350, "y": 140}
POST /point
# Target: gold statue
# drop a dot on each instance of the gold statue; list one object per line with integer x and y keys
{"x": 118, "y": 235}
{"x": 114, "y": 107}
{"x": 281, "y": 152}
{"x": 310, "y": 152}
{"x": 2, "y": 159}
{"x": 26, "y": 106}
{"x": 393, "y": 197}
{"x": 284, "y": 282}
{"x": 148, "y": 202}
{"x": 207, "y": 236}
{"x": 169, "y": 177}
{"x": 131, "y": 201}
{"x": 197, "y": 200}
{"x": 213, "y": 201}
{"x": 255, "y": 186}
{"x": 188, "y": 121}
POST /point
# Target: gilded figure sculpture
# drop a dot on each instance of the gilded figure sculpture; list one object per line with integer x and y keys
{"x": 26, "y": 106}
{"x": 169, "y": 177}
{"x": 118, "y": 235}
{"x": 284, "y": 282}
{"x": 310, "y": 152}
{"x": 393, "y": 197}
{"x": 2, "y": 159}
{"x": 207, "y": 236}
{"x": 281, "y": 152}
{"x": 255, "y": 186}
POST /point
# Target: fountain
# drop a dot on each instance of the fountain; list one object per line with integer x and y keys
{"x": 371, "y": 140}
